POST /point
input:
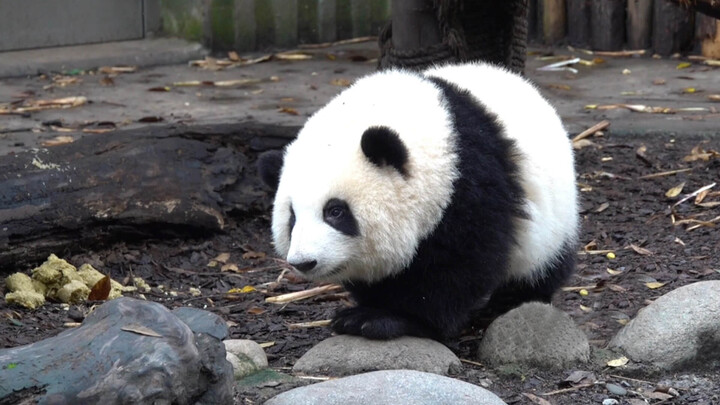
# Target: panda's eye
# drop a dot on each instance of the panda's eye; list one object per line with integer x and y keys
{"x": 337, "y": 214}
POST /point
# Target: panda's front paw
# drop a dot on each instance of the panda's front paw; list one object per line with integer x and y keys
{"x": 372, "y": 323}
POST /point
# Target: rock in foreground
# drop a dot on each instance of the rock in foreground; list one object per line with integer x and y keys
{"x": 345, "y": 355}
{"x": 126, "y": 352}
{"x": 681, "y": 329}
{"x": 389, "y": 387}
{"x": 534, "y": 334}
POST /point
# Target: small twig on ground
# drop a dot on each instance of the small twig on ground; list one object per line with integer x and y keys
{"x": 593, "y": 129}
{"x": 311, "y": 324}
{"x": 474, "y": 363}
{"x": 571, "y": 389}
{"x": 693, "y": 194}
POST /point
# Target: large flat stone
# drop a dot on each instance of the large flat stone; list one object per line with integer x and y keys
{"x": 389, "y": 387}
{"x": 345, "y": 354}
{"x": 679, "y": 330}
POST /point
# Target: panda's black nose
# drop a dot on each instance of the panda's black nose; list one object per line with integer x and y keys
{"x": 305, "y": 266}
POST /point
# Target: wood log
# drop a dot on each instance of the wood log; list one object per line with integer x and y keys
{"x": 708, "y": 33}
{"x": 608, "y": 25}
{"x": 136, "y": 183}
{"x": 673, "y": 28}
{"x": 707, "y": 7}
{"x": 554, "y": 20}
{"x": 639, "y": 24}
{"x": 578, "y": 22}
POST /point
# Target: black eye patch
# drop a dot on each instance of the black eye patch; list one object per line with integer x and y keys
{"x": 337, "y": 214}
{"x": 291, "y": 224}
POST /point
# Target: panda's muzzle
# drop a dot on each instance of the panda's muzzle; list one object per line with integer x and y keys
{"x": 306, "y": 266}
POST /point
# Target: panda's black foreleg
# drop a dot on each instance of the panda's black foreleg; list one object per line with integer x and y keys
{"x": 378, "y": 324}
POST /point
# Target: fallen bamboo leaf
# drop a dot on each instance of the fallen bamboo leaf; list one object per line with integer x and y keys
{"x": 701, "y": 196}
{"x": 582, "y": 143}
{"x": 659, "y": 82}
{"x": 592, "y": 130}
{"x": 616, "y": 288}
{"x": 312, "y": 324}
{"x": 230, "y": 267}
{"x": 233, "y": 56}
{"x": 288, "y": 110}
{"x": 117, "y": 69}
{"x": 559, "y": 86}
{"x": 583, "y": 292}
{"x": 640, "y": 153}
{"x": 222, "y": 257}
{"x": 160, "y": 89}
{"x": 256, "y": 311}
{"x": 59, "y": 140}
{"x": 710, "y": 224}
{"x": 265, "y": 345}
{"x": 626, "y": 71}
{"x": 613, "y": 272}
{"x": 663, "y": 174}
{"x": 699, "y": 153}
{"x": 238, "y": 82}
{"x": 579, "y": 288}
{"x": 585, "y": 308}
{"x": 690, "y": 90}
{"x": 619, "y": 362}
{"x": 713, "y": 97}
{"x": 654, "y": 285}
{"x": 683, "y": 65}
{"x": 640, "y": 250}
{"x": 301, "y": 295}
{"x": 140, "y": 330}
{"x": 72, "y": 324}
{"x": 679, "y": 241}
{"x": 244, "y": 290}
{"x": 189, "y": 83}
{"x": 675, "y": 191}
{"x": 602, "y": 207}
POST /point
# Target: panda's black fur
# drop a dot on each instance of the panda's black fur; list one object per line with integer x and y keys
{"x": 458, "y": 268}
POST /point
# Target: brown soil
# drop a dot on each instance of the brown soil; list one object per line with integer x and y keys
{"x": 621, "y": 212}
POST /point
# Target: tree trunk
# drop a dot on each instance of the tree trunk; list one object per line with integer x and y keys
{"x": 639, "y": 24}
{"x": 138, "y": 183}
{"x": 554, "y": 19}
{"x": 608, "y": 25}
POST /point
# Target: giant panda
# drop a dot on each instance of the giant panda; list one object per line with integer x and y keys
{"x": 428, "y": 195}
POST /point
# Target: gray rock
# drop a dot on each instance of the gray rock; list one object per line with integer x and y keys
{"x": 126, "y": 351}
{"x": 389, "y": 387}
{"x": 615, "y": 389}
{"x": 202, "y": 321}
{"x": 242, "y": 366}
{"x": 345, "y": 355}
{"x": 534, "y": 334}
{"x": 248, "y": 349}
{"x": 679, "y": 330}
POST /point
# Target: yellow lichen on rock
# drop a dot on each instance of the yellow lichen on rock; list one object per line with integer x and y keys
{"x": 28, "y": 299}
{"x": 73, "y": 292}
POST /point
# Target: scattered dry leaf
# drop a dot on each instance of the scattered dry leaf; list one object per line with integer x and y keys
{"x": 675, "y": 191}
{"x": 244, "y": 290}
{"x": 340, "y": 82}
{"x": 230, "y": 267}
{"x": 640, "y": 250}
{"x": 253, "y": 255}
{"x": 256, "y": 311}
{"x": 222, "y": 257}
{"x": 683, "y": 65}
{"x": 654, "y": 285}
{"x": 613, "y": 272}
{"x": 619, "y": 362}
{"x": 288, "y": 110}
{"x": 160, "y": 89}
{"x": 659, "y": 82}
{"x": 602, "y": 207}
{"x": 101, "y": 290}
{"x": 536, "y": 399}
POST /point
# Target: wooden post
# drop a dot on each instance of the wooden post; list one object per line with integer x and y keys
{"x": 708, "y": 32}
{"x": 673, "y": 28}
{"x": 327, "y": 31}
{"x": 578, "y": 21}
{"x": 639, "y": 24}
{"x": 608, "y": 25}
{"x": 414, "y": 24}
{"x": 554, "y": 19}
{"x": 245, "y": 25}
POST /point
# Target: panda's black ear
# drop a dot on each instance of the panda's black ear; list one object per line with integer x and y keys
{"x": 269, "y": 165}
{"x": 383, "y": 147}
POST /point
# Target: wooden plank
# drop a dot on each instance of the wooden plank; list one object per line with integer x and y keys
{"x": 673, "y": 28}
{"x": 708, "y": 33}
{"x": 639, "y": 24}
{"x": 578, "y": 21}
{"x": 608, "y": 25}
{"x": 553, "y": 21}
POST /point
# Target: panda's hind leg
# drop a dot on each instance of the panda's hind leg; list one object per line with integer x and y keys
{"x": 517, "y": 292}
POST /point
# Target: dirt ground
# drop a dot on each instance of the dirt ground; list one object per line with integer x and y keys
{"x": 622, "y": 212}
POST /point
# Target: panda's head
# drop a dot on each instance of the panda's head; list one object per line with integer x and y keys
{"x": 367, "y": 179}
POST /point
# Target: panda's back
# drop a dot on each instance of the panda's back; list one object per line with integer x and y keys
{"x": 545, "y": 164}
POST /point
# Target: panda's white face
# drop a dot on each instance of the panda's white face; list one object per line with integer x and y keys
{"x": 367, "y": 179}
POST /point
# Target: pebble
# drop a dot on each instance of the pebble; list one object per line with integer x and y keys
{"x": 616, "y": 389}
{"x": 610, "y": 401}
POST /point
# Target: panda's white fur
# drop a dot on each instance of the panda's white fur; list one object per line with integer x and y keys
{"x": 394, "y": 213}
